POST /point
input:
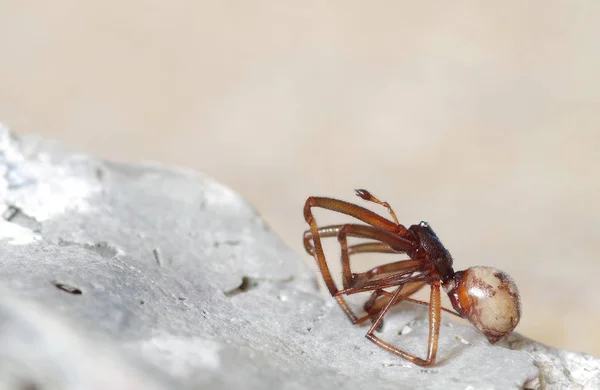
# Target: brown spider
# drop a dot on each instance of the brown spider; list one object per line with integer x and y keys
{"x": 485, "y": 296}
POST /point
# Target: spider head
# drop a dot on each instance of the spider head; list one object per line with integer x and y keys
{"x": 488, "y": 298}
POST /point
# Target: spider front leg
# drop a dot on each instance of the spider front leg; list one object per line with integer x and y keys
{"x": 355, "y": 211}
{"x": 434, "y": 328}
{"x": 366, "y": 195}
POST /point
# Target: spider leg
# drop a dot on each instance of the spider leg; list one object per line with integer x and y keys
{"x": 370, "y": 304}
{"x": 355, "y": 211}
{"x": 422, "y": 303}
{"x": 366, "y": 195}
{"x": 408, "y": 289}
{"x": 434, "y": 327}
{"x": 373, "y": 306}
{"x": 388, "y": 243}
{"x": 333, "y": 231}
{"x": 371, "y": 247}
{"x": 363, "y": 231}
{"x": 368, "y": 307}
{"x": 391, "y": 268}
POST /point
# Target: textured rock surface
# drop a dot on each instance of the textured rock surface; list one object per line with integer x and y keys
{"x": 142, "y": 277}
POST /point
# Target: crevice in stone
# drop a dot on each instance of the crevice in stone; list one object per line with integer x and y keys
{"x": 10, "y": 213}
{"x": 247, "y": 284}
{"x": 67, "y": 288}
{"x": 104, "y": 249}
{"x": 250, "y": 283}
{"x": 17, "y": 216}
{"x": 100, "y": 174}
{"x": 203, "y": 204}
{"x": 217, "y": 244}
{"x": 157, "y": 257}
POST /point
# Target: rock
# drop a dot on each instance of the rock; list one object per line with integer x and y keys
{"x": 145, "y": 277}
{"x": 557, "y": 369}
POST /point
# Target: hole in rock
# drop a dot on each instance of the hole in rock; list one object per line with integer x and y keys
{"x": 15, "y": 215}
{"x": 67, "y": 288}
{"x": 99, "y": 172}
{"x": 246, "y": 285}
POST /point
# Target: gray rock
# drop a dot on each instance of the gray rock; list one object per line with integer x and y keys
{"x": 144, "y": 277}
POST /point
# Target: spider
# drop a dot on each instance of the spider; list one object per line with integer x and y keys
{"x": 485, "y": 296}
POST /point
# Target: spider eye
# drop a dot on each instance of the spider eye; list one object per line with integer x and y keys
{"x": 489, "y": 299}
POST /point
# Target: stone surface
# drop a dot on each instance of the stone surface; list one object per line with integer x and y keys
{"x": 144, "y": 277}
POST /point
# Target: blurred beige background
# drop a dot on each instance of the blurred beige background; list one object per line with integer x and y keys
{"x": 483, "y": 120}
